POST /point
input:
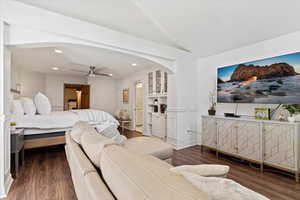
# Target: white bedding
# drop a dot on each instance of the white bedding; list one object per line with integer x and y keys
{"x": 63, "y": 119}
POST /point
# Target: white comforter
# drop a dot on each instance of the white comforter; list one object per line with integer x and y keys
{"x": 63, "y": 119}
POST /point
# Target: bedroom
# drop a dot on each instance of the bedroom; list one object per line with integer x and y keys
{"x": 62, "y": 73}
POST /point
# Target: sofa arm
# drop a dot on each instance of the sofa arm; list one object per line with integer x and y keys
{"x": 203, "y": 170}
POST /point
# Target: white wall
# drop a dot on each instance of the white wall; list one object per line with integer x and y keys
{"x": 103, "y": 93}
{"x": 289, "y": 43}
{"x": 55, "y": 88}
{"x": 130, "y": 82}
{"x": 31, "y": 82}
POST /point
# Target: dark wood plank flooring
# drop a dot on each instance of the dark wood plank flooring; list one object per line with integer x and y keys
{"x": 46, "y": 175}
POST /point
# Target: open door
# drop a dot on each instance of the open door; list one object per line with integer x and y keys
{"x": 139, "y": 105}
{"x": 76, "y": 96}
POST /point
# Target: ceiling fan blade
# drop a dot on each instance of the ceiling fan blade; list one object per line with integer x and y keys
{"x": 79, "y": 71}
{"x": 103, "y": 74}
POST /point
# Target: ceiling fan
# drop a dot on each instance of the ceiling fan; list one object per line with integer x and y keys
{"x": 93, "y": 72}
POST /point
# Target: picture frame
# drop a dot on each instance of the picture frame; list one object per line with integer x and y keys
{"x": 126, "y": 96}
{"x": 262, "y": 113}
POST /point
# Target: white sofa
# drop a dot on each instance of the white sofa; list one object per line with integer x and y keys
{"x": 126, "y": 175}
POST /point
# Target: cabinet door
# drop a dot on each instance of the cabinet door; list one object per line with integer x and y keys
{"x": 156, "y": 126}
{"x": 227, "y": 136}
{"x": 158, "y": 78}
{"x": 209, "y": 132}
{"x": 150, "y": 83}
{"x": 248, "y": 140}
{"x": 279, "y": 145}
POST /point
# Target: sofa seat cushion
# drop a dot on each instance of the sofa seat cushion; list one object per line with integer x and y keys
{"x": 150, "y": 146}
{"x": 79, "y": 129}
{"x": 93, "y": 144}
{"x": 135, "y": 177}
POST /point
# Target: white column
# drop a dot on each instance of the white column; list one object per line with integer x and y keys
{"x": 5, "y": 176}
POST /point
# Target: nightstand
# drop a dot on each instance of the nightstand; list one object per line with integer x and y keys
{"x": 17, "y": 146}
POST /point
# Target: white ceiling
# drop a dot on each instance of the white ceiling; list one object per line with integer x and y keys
{"x": 205, "y": 27}
{"x": 77, "y": 57}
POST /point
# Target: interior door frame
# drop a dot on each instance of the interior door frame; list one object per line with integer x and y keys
{"x": 85, "y": 88}
{"x": 134, "y": 105}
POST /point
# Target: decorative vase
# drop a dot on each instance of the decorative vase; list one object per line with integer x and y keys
{"x": 291, "y": 119}
{"x": 211, "y": 112}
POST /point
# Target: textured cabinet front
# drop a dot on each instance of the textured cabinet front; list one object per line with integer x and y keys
{"x": 279, "y": 145}
{"x": 209, "y": 132}
{"x": 248, "y": 140}
{"x": 227, "y": 136}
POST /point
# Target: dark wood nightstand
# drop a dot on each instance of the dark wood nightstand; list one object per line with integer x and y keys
{"x": 17, "y": 146}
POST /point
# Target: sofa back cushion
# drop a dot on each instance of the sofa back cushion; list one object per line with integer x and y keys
{"x": 78, "y": 129}
{"x": 93, "y": 144}
{"x": 135, "y": 177}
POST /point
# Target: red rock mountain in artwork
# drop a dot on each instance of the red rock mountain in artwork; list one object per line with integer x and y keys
{"x": 245, "y": 72}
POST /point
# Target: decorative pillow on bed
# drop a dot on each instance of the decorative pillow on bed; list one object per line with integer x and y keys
{"x": 17, "y": 108}
{"x": 28, "y": 106}
{"x": 42, "y": 103}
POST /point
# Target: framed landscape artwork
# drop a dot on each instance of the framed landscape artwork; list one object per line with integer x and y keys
{"x": 269, "y": 81}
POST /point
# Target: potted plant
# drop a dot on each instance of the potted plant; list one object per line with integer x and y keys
{"x": 293, "y": 109}
{"x": 212, "y": 101}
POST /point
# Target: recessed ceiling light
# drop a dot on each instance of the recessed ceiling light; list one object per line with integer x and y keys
{"x": 55, "y": 68}
{"x": 110, "y": 74}
{"x": 58, "y": 51}
{"x": 134, "y": 64}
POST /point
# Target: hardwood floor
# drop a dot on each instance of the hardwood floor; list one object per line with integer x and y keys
{"x": 273, "y": 185}
{"x": 46, "y": 175}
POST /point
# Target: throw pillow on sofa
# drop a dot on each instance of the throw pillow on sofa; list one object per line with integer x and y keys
{"x": 28, "y": 105}
{"x": 222, "y": 188}
{"x": 42, "y": 103}
{"x": 108, "y": 129}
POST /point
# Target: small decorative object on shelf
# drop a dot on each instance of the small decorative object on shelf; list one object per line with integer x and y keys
{"x": 293, "y": 110}
{"x": 262, "y": 113}
{"x": 212, "y": 100}
{"x": 13, "y": 126}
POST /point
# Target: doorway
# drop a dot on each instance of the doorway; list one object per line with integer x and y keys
{"x": 76, "y": 96}
{"x": 139, "y": 111}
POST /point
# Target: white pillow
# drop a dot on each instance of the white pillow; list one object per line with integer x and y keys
{"x": 108, "y": 129}
{"x": 42, "y": 103}
{"x": 28, "y": 106}
{"x": 222, "y": 188}
{"x": 17, "y": 108}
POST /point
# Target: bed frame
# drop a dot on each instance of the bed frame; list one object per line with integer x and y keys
{"x": 44, "y": 140}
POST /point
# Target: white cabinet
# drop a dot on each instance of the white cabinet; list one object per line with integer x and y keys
{"x": 271, "y": 143}
{"x": 227, "y": 136}
{"x": 279, "y": 145}
{"x": 158, "y": 126}
{"x": 209, "y": 133}
{"x": 249, "y": 140}
{"x": 157, "y": 83}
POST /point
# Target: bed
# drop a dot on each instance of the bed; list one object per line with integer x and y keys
{"x": 49, "y": 130}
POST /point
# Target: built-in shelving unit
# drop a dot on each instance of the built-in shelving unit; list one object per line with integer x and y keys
{"x": 157, "y": 100}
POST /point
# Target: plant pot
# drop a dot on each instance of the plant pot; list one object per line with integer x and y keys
{"x": 211, "y": 112}
{"x": 291, "y": 119}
